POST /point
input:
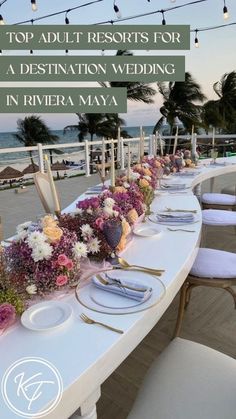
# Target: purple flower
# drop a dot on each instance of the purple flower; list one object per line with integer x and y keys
{"x": 7, "y": 315}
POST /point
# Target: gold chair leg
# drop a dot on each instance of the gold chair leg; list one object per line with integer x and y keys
{"x": 231, "y": 291}
{"x": 188, "y": 294}
{"x": 182, "y": 304}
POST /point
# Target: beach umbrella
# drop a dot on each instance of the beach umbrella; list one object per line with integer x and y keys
{"x": 59, "y": 166}
{"x": 9, "y": 173}
{"x": 32, "y": 168}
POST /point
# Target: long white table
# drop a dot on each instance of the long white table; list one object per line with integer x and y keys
{"x": 85, "y": 355}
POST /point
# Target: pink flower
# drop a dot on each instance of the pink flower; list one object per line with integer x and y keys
{"x": 62, "y": 260}
{"x": 61, "y": 280}
{"x": 99, "y": 223}
{"x": 69, "y": 265}
{"x": 7, "y": 315}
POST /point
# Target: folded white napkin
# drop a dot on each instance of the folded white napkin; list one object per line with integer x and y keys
{"x": 175, "y": 217}
{"x": 190, "y": 174}
{"x": 173, "y": 186}
{"x": 116, "y": 287}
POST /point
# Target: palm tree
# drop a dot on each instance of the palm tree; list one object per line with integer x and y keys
{"x": 99, "y": 125}
{"x": 136, "y": 91}
{"x": 211, "y": 116}
{"x": 32, "y": 130}
{"x": 226, "y": 92}
{"x": 96, "y": 124}
{"x": 180, "y": 100}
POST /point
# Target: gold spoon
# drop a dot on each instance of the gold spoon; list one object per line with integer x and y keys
{"x": 152, "y": 271}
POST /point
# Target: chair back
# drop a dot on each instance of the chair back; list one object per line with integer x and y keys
{"x": 45, "y": 192}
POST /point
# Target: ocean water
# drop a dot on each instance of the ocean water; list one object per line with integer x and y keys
{"x": 7, "y": 140}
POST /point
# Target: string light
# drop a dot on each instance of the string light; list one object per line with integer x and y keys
{"x": 196, "y": 42}
{"x": 151, "y": 13}
{"x": 34, "y": 5}
{"x": 225, "y": 11}
{"x": 163, "y": 18}
{"x": 67, "y": 22}
{"x": 117, "y": 10}
{"x": 61, "y": 12}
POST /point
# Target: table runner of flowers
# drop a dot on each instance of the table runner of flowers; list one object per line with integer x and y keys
{"x": 50, "y": 255}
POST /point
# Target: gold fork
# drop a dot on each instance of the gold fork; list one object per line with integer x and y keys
{"x": 119, "y": 284}
{"x": 181, "y": 229}
{"x": 87, "y": 320}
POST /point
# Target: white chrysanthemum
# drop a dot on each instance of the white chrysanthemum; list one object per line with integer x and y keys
{"x": 135, "y": 175}
{"x": 78, "y": 211}
{"x": 80, "y": 250}
{"x": 23, "y": 227}
{"x": 94, "y": 246}
{"x": 109, "y": 202}
{"x": 86, "y": 230}
{"x": 147, "y": 178}
{"x": 21, "y": 235}
{"x": 36, "y": 238}
{"x": 42, "y": 251}
{"x": 31, "y": 289}
{"x": 108, "y": 211}
{"x": 89, "y": 211}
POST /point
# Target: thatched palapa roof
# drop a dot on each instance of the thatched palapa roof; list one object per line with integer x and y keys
{"x": 10, "y": 173}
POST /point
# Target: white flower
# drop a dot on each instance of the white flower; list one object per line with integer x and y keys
{"x": 36, "y": 238}
{"x": 109, "y": 202}
{"x": 115, "y": 213}
{"x": 31, "y": 289}
{"x": 147, "y": 165}
{"x": 126, "y": 185}
{"x": 78, "y": 211}
{"x": 42, "y": 251}
{"x": 147, "y": 178}
{"x": 23, "y": 227}
{"x": 21, "y": 235}
{"x": 94, "y": 246}
{"x": 135, "y": 175}
{"x": 108, "y": 211}
{"x": 89, "y": 211}
{"x": 87, "y": 231}
{"x": 80, "y": 250}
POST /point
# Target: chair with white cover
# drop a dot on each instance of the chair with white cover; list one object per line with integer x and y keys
{"x": 47, "y": 194}
{"x": 218, "y": 201}
{"x": 212, "y": 268}
{"x": 188, "y": 381}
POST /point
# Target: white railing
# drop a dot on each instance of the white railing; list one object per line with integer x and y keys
{"x": 152, "y": 143}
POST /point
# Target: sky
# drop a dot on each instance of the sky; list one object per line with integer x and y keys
{"x": 207, "y": 64}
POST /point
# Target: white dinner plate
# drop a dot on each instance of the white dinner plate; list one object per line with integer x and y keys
{"x": 154, "y": 219}
{"x": 146, "y": 231}
{"x": 101, "y": 301}
{"x": 46, "y": 315}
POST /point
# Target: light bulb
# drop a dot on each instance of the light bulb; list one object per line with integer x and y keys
{"x": 226, "y": 13}
{"x": 117, "y": 11}
{"x": 34, "y": 5}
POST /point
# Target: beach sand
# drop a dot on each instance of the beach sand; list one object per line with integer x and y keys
{"x": 18, "y": 208}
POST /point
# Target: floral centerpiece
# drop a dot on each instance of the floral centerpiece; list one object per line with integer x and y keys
{"x": 43, "y": 257}
{"x": 100, "y": 224}
{"x": 11, "y": 303}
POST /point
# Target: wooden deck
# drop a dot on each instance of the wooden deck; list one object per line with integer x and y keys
{"x": 210, "y": 319}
